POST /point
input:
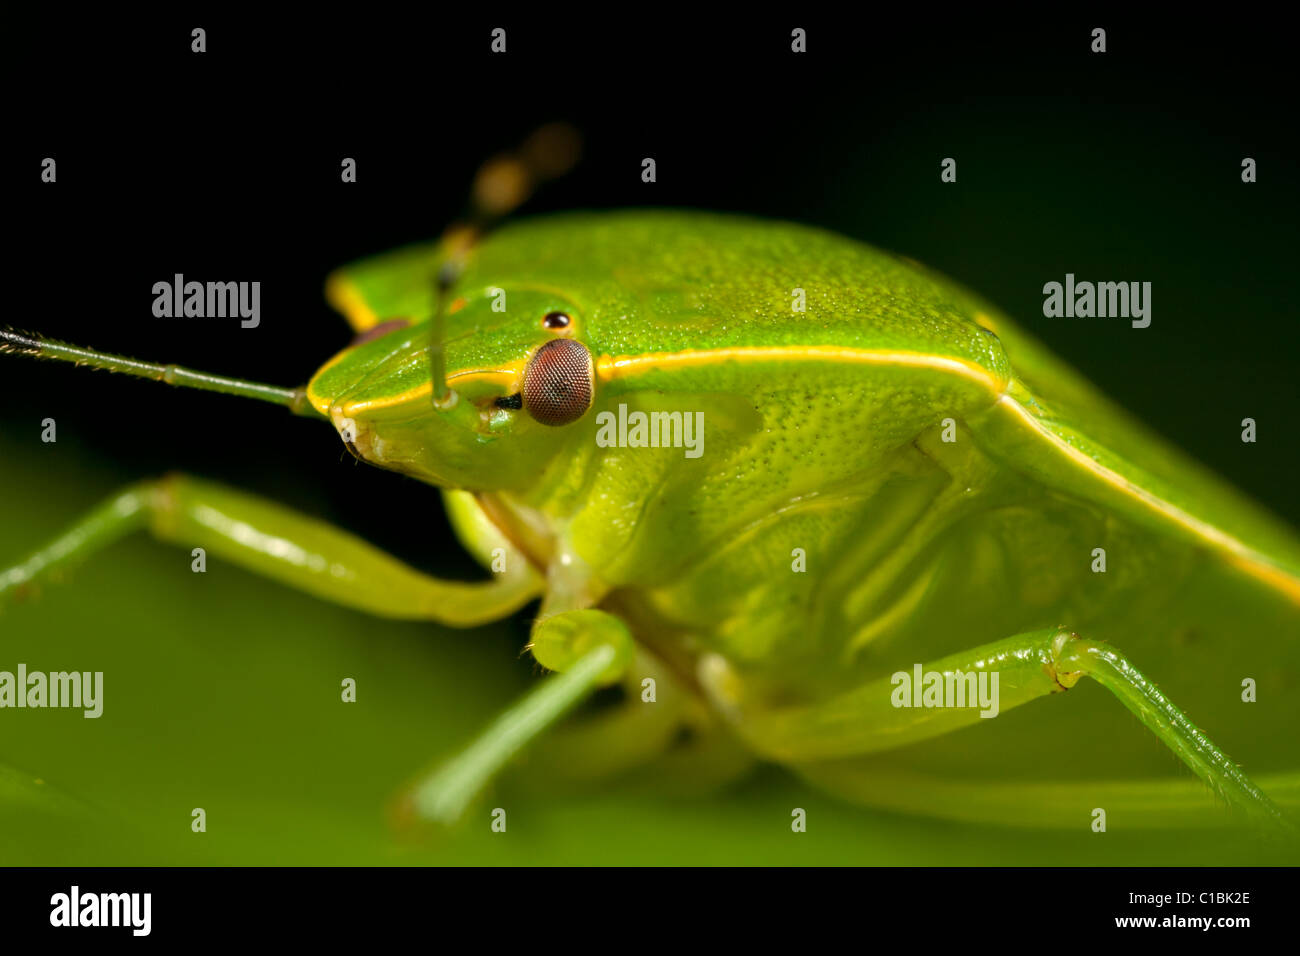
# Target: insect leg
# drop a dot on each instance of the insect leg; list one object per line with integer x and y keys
{"x": 875, "y": 717}
{"x": 661, "y": 736}
{"x": 621, "y": 736}
{"x": 589, "y": 648}
{"x": 280, "y": 544}
{"x": 1164, "y": 803}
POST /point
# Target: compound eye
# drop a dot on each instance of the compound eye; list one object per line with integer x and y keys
{"x": 559, "y": 382}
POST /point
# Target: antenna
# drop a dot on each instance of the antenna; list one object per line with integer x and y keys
{"x": 37, "y": 346}
{"x": 501, "y": 185}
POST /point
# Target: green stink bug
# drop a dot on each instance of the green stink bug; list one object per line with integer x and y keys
{"x": 894, "y": 481}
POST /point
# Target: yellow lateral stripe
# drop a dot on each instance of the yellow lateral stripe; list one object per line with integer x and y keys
{"x": 506, "y": 377}
{"x": 502, "y": 376}
{"x": 610, "y": 367}
{"x": 344, "y": 297}
{"x": 1238, "y": 552}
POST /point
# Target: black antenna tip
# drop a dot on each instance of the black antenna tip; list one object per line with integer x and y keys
{"x": 447, "y": 274}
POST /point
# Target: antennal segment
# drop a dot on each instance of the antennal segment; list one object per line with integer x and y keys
{"x": 501, "y": 185}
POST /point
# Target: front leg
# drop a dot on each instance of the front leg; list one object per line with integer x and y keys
{"x": 281, "y": 544}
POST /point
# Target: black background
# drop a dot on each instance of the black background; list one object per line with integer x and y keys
{"x": 341, "y": 906}
{"x": 225, "y": 165}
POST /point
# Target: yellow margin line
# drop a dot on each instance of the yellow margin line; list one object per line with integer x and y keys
{"x": 1235, "y": 550}
{"x": 610, "y": 367}
{"x": 344, "y": 297}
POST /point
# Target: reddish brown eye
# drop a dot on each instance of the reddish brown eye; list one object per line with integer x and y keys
{"x": 556, "y": 320}
{"x": 558, "y": 382}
